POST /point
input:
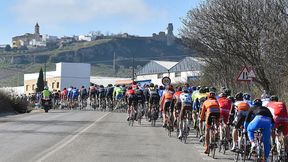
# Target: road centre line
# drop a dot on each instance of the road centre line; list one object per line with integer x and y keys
{"x": 50, "y": 151}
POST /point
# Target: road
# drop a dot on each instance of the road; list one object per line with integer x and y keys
{"x": 84, "y": 136}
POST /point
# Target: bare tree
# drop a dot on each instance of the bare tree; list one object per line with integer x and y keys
{"x": 231, "y": 34}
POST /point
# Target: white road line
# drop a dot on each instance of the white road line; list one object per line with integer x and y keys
{"x": 66, "y": 141}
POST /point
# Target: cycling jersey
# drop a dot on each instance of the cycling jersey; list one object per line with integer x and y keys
{"x": 198, "y": 101}
{"x": 118, "y": 92}
{"x": 166, "y": 101}
{"x": 241, "y": 106}
{"x": 225, "y": 105}
{"x": 211, "y": 108}
{"x": 46, "y": 94}
{"x": 186, "y": 98}
{"x": 176, "y": 97}
{"x": 75, "y": 93}
{"x": 109, "y": 91}
{"x": 101, "y": 92}
{"x": 263, "y": 119}
{"x": 280, "y": 116}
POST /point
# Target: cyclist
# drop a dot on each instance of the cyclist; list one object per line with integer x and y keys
{"x": 130, "y": 100}
{"x": 166, "y": 103}
{"x": 211, "y": 106}
{"x": 262, "y": 119}
{"x": 247, "y": 98}
{"x": 238, "y": 112}
{"x": 101, "y": 95}
{"x": 225, "y": 105}
{"x": 109, "y": 93}
{"x": 177, "y": 104}
{"x": 92, "y": 92}
{"x": 75, "y": 94}
{"x": 161, "y": 91}
{"x": 280, "y": 116}
{"x": 154, "y": 97}
{"x": 140, "y": 98}
{"x": 186, "y": 105}
{"x": 198, "y": 101}
{"x": 118, "y": 92}
{"x": 83, "y": 94}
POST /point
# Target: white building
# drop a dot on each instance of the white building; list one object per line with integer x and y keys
{"x": 66, "y": 75}
{"x": 49, "y": 38}
{"x": 187, "y": 69}
{"x": 107, "y": 80}
{"x": 154, "y": 71}
{"x": 85, "y": 38}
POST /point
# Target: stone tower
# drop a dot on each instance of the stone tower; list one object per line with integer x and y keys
{"x": 37, "y": 29}
{"x": 170, "y": 36}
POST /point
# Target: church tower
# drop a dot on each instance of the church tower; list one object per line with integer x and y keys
{"x": 37, "y": 29}
{"x": 170, "y": 36}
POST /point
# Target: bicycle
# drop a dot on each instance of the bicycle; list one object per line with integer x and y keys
{"x": 102, "y": 104}
{"x": 153, "y": 115}
{"x": 139, "y": 112}
{"x": 244, "y": 146}
{"x": 279, "y": 147}
{"x": 109, "y": 102}
{"x": 185, "y": 132}
{"x": 259, "y": 153}
{"x": 132, "y": 114}
{"x": 223, "y": 142}
{"x": 170, "y": 123}
{"x": 212, "y": 140}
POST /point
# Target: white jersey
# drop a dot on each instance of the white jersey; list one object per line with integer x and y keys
{"x": 186, "y": 98}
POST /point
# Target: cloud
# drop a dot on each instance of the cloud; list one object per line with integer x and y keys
{"x": 76, "y": 11}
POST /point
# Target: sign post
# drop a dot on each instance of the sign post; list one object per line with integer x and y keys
{"x": 166, "y": 81}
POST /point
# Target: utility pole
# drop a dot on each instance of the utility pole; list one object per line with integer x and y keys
{"x": 114, "y": 63}
{"x": 133, "y": 67}
{"x": 45, "y": 81}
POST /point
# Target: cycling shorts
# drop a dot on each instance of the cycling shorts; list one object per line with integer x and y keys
{"x": 168, "y": 106}
{"x": 240, "y": 118}
{"x": 209, "y": 119}
{"x": 224, "y": 114}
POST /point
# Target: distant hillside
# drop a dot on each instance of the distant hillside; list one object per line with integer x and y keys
{"x": 99, "y": 53}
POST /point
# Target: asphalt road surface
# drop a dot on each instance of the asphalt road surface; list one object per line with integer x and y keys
{"x": 92, "y": 136}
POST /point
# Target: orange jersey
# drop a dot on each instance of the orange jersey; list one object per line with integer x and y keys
{"x": 167, "y": 96}
{"x": 176, "y": 96}
{"x": 209, "y": 106}
{"x": 242, "y": 106}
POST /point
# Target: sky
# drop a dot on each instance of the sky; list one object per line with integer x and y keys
{"x": 78, "y": 17}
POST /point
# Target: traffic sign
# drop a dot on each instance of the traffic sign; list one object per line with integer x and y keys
{"x": 166, "y": 81}
{"x": 246, "y": 74}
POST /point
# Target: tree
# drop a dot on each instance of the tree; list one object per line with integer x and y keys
{"x": 231, "y": 34}
{"x": 7, "y": 48}
{"x": 40, "y": 81}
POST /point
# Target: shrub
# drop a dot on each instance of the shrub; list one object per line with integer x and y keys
{"x": 9, "y": 103}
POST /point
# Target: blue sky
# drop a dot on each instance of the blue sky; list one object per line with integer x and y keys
{"x": 75, "y": 17}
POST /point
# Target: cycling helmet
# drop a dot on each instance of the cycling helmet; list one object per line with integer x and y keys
{"x": 257, "y": 102}
{"x": 170, "y": 87}
{"x": 185, "y": 90}
{"x": 202, "y": 90}
{"x": 110, "y": 85}
{"x": 246, "y": 96}
{"x": 151, "y": 85}
{"x": 227, "y": 92}
{"x": 274, "y": 98}
{"x": 212, "y": 95}
{"x": 194, "y": 88}
{"x": 198, "y": 88}
{"x": 101, "y": 86}
{"x": 130, "y": 87}
{"x": 239, "y": 96}
{"x": 212, "y": 89}
{"x": 206, "y": 89}
{"x": 46, "y": 88}
{"x": 117, "y": 85}
{"x": 179, "y": 88}
{"x": 222, "y": 95}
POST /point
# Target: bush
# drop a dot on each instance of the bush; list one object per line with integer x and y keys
{"x": 10, "y": 103}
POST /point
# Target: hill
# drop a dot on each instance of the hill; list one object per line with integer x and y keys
{"x": 99, "y": 53}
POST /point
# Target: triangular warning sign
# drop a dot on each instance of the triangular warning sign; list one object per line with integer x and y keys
{"x": 244, "y": 75}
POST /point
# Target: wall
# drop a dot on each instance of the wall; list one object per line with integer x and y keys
{"x": 174, "y": 80}
{"x": 74, "y": 74}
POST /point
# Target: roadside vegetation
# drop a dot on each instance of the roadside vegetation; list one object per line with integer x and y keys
{"x": 11, "y": 104}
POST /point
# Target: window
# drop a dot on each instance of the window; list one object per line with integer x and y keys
{"x": 27, "y": 87}
{"x": 177, "y": 74}
{"x": 159, "y": 76}
{"x": 33, "y": 87}
{"x": 53, "y": 85}
{"x": 58, "y": 85}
